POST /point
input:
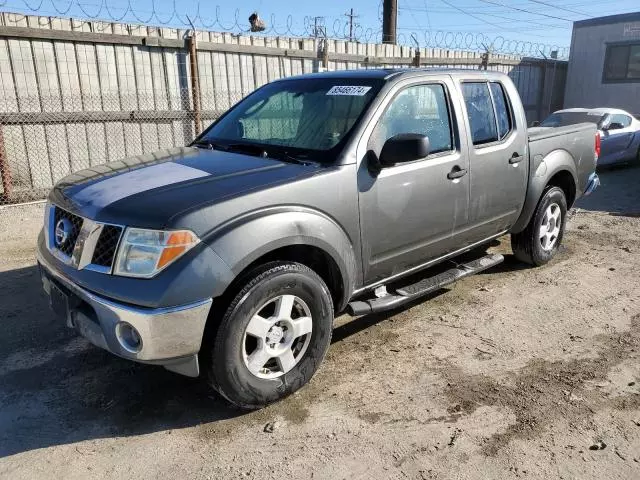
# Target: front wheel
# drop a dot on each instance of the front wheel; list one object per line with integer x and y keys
{"x": 272, "y": 337}
{"x": 539, "y": 242}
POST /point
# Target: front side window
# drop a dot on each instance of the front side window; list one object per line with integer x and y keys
{"x": 310, "y": 116}
{"x": 622, "y": 63}
{"x": 482, "y": 119}
{"x": 421, "y": 109}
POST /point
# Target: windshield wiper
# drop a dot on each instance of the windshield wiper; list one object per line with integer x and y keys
{"x": 256, "y": 150}
{"x": 300, "y": 159}
{"x": 247, "y": 148}
{"x": 207, "y": 144}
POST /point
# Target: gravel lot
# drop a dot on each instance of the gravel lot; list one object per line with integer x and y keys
{"x": 514, "y": 373}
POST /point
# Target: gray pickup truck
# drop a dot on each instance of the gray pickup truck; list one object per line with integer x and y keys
{"x": 315, "y": 195}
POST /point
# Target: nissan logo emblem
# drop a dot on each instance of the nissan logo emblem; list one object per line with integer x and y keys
{"x": 64, "y": 229}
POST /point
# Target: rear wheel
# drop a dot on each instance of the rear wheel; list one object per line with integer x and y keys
{"x": 538, "y": 243}
{"x": 272, "y": 337}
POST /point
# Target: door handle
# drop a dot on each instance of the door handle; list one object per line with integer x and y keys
{"x": 515, "y": 158}
{"x": 456, "y": 172}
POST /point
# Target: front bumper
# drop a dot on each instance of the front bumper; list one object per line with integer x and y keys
{"x": 170, "y": 337}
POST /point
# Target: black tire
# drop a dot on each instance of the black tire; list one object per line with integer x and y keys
{"x": 225, "y": 367}
{"x": 526, "y": 245}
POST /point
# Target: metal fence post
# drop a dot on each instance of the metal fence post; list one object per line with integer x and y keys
{"x": 325, "y": 53}
{"x": 5, "y": 171}
{"x": 195, "y": 83}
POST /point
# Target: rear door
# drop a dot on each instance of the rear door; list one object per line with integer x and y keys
{"x": 498, "y": 156}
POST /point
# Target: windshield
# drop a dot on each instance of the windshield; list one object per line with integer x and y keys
{"x": 304, "y": 116}
{"x": 571, "y": 118}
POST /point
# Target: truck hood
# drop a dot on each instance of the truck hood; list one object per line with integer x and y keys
{"x": 149, "y": 190}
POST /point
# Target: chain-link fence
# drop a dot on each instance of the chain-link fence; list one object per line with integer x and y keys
{"x": 77, "y": 95}
{"x": 42, "y": 143}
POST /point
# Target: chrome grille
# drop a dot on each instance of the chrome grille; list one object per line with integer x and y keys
{"x": 75, "y": 221}
{"x": 88, "y": 244}
{"x": 106, "y": 246}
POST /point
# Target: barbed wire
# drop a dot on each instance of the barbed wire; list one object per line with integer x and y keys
{"x": 334, "y": 28}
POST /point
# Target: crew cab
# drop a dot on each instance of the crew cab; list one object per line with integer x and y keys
{"x": 315, "y": 195}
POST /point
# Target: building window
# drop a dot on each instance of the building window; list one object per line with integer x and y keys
{"x": 622, "y": 63}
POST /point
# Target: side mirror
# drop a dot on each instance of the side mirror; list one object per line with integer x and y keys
{"x": 535, "y": 123}
{"x": 404, "y": 147}
{"x": 614, "y": 126}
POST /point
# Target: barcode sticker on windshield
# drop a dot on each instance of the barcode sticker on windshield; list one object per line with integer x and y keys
{"x": 352, "y": 90}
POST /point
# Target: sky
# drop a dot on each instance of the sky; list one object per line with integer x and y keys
{"x": 535, "y": 21}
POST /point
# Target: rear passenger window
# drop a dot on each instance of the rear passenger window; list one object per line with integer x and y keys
{"x": 482, "y": 119}
{"x": 488, "y": 110}
{"x": 502, "y": 110}
{"x": 419, "y": 109}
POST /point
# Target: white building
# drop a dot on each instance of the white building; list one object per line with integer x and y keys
{"x": 604, "y": 63}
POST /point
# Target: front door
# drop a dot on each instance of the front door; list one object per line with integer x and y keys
{"x": 498, "y": 158}
{"x": 616, "y": 141}
{"x": 409, "y": 212}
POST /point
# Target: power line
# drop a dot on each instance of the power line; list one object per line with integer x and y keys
{"x": 471, "y": 14}
{"x": 520, "y": 20}
{"x": 502, "y": 17}
{"x": 559, "y": 7}
{"x": 525, "y": 11}
{"x": 426, "y": 11}
{"x": 415, "y": 19}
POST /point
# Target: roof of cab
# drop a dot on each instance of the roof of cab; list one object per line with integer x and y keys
{"x": 388, "y": 73}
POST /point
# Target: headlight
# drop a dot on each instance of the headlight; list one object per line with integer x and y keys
{"x": 144, "y": 253}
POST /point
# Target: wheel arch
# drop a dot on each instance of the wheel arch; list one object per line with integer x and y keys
{"x": 557, "y": 169}
{"x": 303, "y": 236}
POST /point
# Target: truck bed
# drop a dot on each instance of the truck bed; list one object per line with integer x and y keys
{"x": 576, "y": 140}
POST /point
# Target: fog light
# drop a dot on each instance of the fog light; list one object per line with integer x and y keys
{"x": 128, "y": 337}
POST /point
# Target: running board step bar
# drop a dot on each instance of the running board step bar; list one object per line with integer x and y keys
{"x": 423, "y": 287}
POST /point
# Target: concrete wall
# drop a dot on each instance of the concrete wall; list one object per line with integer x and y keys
{"x": 585, "y": 87}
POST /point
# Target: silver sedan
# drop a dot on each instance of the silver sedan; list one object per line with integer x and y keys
{"x": 619, "y": 131}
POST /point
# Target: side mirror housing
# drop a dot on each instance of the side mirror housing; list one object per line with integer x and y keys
{"x": 405, "y": 147}
{"x": 535, "y": 123}
{"x": 614, "y": 126}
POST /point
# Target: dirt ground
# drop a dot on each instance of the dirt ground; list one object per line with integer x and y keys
{"x": 514, "y": 373}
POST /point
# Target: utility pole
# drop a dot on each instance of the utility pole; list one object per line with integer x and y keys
{"x": 389, "y": 21}
{"x": 318, "y": 26}
{"x": 351, "y": 17}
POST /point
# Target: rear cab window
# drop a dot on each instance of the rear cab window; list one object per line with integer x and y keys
{"x": 488, "y": 111}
